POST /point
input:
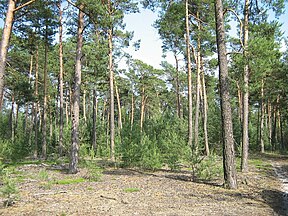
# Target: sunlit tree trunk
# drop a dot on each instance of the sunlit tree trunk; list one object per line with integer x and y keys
{"x": 245, "y": 123}
{"x": 189, "y": 76}
{"x": 262, "y": 145}
{"x": 205, "y": 110}
{"x": 84, "y": 106}
{"x": 132, "y": 110}
{"x": 61, "y": 117}
{"x": 36, "y": 105}
{"x": 177, "y": 84}
{"x": 74, "y": 157}
{"x": 119, "y": 107}
{"x": 94, "y": 132}
{"x": 26, "y": 126}
{"x": 5, "y": 44}
{"x": 44, "y": 120}
{"x": 228, "y": 139}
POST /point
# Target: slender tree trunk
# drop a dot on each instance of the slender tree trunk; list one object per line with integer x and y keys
{"x": 188, "y": 52}
{"x": 240, "y": 106}
{"x": 66, "y": 107}
{"x": 61, "y": 122}
{"x": 262, "y": 119}
{"x": 74, "y": 157}
{"x": 44, "y": 121}
{"x": 5, "y": 44}
{"x": 132, "y": 110}
{"x": 94, "y": 132}
{"x": 228, "y": 139}
{"x": 269, "y": 110}
{"x": 142, "y": 109}
{"x": 119, "y": 108}
{"x": 198, "y": 86}
{"x": 11, "y": 119}
{"x": 205, "y": 110}
{"x": 178, "y": 98}
{"x": 16, "y": 119}
{"x": 245, "y": 127}
{"x": 36, "y": 106}
{"x": 84, "y": 106}
{"x": 27, "y": 104}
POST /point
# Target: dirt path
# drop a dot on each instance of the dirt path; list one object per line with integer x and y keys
{"x": 133, "y": 192}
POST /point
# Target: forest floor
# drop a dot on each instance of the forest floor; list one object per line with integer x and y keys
{"x": 47, "y": 189}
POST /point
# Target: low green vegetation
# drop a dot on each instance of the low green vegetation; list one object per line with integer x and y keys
{"x": 131, "y": 190}
{"x": 69, "y": 181}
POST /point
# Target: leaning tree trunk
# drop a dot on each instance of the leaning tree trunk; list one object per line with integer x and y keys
{"x": 188, "y": 52}
{"x": 74, "y": 157}
{"x": 228, "y": 139}
{"x": 5, "y": 44}
{"x": 245, "y": 123}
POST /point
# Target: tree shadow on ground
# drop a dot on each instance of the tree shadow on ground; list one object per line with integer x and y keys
{"x": 275, "y": 199}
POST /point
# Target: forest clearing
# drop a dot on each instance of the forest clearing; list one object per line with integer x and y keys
{"x": 86, "y": 128}
{"x": 47, "y": 189}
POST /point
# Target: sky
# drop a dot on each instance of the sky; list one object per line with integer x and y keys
{"x": 150, "y": 50}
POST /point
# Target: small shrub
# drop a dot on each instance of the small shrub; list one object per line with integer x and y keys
{"x": 43, "y": 175}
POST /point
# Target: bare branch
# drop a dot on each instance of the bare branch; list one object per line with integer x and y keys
{"x": 241, "y": 24}
{"x": 24, "y": 5}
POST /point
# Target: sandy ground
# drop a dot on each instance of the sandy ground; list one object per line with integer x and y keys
{"x": 133, "y": 192}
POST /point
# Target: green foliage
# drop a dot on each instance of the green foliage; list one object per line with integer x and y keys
{"x": 9, "y": 190}
{"x": 43, "y": 175}
{"x": 131, "y": 190}
{"x": 69, "y": 181}
{"x": 94, "y": 171}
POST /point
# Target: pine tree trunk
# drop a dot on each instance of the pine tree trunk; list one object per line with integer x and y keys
{"x": 240, "y": 106}
{"x": 228, "y": 139}
{"x": 36, "y": 106}
{"x": 84, "y": 106}
{"x": 74, "y": 157}
{"x": 188, "y": 52}
{"x": 119, "y": 108}
{"x": 198, "y": 86}
{"x": 142, "y": 109}
{"x": 11, "y": 119}
{"x": 262, "y": 119}
{"x": 132, "y": 110}
{"x": 44, "y": 121}
{"x": 245, "y": 125}
{"x": 67, "y": 107}
{"x": 178, "y": 97}
{"x": 205, "y": 110}
{"x": 94, "y": 132}
{"x": 28, "y": 104}
{"x": 5, "y": 45}
{"x": 61, "y": 122}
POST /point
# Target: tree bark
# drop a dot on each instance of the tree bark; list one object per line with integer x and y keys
{"x": 228, "y": 139}
{"x": 94, "y": 132}
{"x": 205, "y": 110}
{"x": 36, "y": 106}
{"x": 5, "y": 44}
{"x": 132, "y": 110}
{"x": 44, "y": 121}
{"x": 84, "y": 106}
{"x": 74, "y": 157}
{"x": 142, "y": 108}
{"x": 189, "y": 76}
{"x": 178, "y": 97}
{"x": 262, "y": 119}
{"x": 119, "y": 108}
{"x": 61, "y": 122}
{"x": 245, "y": 124}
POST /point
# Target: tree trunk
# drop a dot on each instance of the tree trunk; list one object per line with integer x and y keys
{"x": 228, "y": 139}
{"x": 5, "y": 44}
{"x": 36, "y": 106}
{"x": 74, "y": 157}
{"x": 44, "y": 121}
{"x": 189, "y": 76}
{"x": 119, "y": 108}
{"x": 262, "y": 119}
{"x": 66, "y": 107}
{"x": 142, "y": 109}
{"x": 61, "y": 122}
{"x": 11, "y": 119}
{"x": 84, "y": 106}
{"x": 245, "y": 123}
{"x": 94, "y": 132}
{"x": 205, "y": 110}
{"x": 198, "y": 86}
{"x": 240, "y": 106}
{"x": 27, "y": 104}
{"x": 178, "y": 97}
{"x": 132, "y": 110}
